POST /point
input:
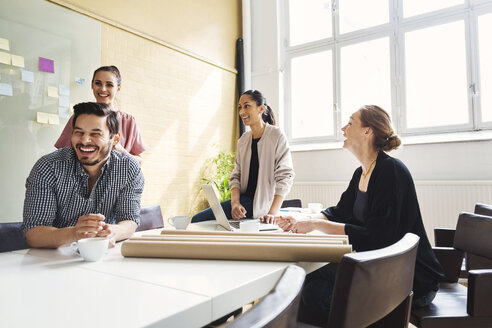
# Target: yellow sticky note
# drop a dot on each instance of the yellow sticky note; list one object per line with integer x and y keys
{"x": 5, "y": 58}
{"x": 42, "y": 117}
{"x": 4, "y": 44}
{"x": 53, "y": 92}
{"x": 53, "y": 119}
{"x": 18, "y": 61}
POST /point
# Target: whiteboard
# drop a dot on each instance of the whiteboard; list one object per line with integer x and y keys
{"x": 33, "y": 116}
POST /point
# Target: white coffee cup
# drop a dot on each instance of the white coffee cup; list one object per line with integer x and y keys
{"x": 249, "y": 226}
{"x": 315, "y": 207}
{"x": 92, "y": 249}
{"x": 179, "y": 222}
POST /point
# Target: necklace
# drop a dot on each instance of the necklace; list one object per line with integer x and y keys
{"x": 369, "y": 169}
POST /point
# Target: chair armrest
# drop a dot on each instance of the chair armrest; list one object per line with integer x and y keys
{"x": 475, "y": 262}
{"x": 479, "y": 302}
{"x": 451, "y": 260}
{"x": 444, "y": 237}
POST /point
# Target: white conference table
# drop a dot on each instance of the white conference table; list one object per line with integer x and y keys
{"x": 56, "y": 288}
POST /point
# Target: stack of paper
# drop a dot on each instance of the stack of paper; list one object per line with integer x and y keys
{"x": 238, "y": 246}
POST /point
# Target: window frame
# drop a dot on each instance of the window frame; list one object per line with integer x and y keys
{"x": 395, "y": 30}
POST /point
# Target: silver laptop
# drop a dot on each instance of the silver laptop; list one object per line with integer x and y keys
{"x": 220, "y": 216}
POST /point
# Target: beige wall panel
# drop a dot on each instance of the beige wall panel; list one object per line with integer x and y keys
{"x": 208, "y": 28}
{"x": 185, "y": 109}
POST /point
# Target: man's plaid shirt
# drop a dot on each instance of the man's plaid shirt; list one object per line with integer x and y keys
{"x": 57, "y": 190}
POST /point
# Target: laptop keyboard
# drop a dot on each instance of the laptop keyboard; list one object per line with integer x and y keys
{"x": 234, "y": 224}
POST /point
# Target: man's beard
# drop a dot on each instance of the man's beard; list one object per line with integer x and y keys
{"x": 103, "y": 155}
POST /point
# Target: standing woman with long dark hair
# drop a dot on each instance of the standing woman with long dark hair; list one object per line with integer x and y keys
{"x": 263, "y": 174}
{"x": 106, "y": 83}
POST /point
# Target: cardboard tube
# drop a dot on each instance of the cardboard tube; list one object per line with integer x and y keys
{"x": 235, "y": 251}
{"x": 229, "y": 233}
{"x": 245, "y": 239}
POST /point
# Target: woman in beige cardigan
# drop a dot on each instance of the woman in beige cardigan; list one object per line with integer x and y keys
{"x": 264, "y": 173}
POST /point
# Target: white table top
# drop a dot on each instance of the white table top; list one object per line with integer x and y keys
{"x": 51, "y": 288}
{"x": 65, "y": 292}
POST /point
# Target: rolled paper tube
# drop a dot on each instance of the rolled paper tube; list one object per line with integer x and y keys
{"x": 283, "y": 252}
{"x": 235, "y": 239}
{"x": 228, "y": 233}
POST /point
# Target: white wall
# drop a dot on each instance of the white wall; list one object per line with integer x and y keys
{"x": 437, "y": 161}
{"x": 443, "y": 161}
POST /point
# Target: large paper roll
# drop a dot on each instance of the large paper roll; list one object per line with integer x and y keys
{"x": 285, "y": 252}
{"x": 244, "y": 239}
{"x": 255, "y": 234}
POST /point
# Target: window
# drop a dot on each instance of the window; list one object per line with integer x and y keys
{"x": 310, "y": 21}
{"x": 417, "y": 7}
{"x": 435, "y": 76}
{"x": 364, "y": 71}
{"x": 425, "y": 62}
{"x": 314, "y": 99}
{"x": 485, "y": 54}
{"x": 353, "y": 14}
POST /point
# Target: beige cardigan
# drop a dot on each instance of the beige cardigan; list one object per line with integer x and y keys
{"x": 275, "y": 174}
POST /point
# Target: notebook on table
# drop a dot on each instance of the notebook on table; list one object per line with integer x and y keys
{"x": 230, "y": 225}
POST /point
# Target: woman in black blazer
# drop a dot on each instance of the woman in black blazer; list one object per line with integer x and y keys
{"x": 379, "y": 206}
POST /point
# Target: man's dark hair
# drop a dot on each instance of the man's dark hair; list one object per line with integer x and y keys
{"x": 98, "y": 109}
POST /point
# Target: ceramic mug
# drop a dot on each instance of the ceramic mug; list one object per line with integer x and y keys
{"x": 179, "y": 222}
{"x": 249, "y": 226}
{"x": 315, "y": 207}
{"x": 91, "y": 249}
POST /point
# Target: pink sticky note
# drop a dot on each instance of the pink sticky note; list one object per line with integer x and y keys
{"x": 46, "y": 65}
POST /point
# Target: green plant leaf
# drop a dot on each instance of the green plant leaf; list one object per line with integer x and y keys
{"x": 223, "y": 165}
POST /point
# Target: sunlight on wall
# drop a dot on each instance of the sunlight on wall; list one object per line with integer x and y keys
{"x": 185, "y": 109}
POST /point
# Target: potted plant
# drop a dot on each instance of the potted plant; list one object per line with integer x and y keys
{"x": 222, "y": 166}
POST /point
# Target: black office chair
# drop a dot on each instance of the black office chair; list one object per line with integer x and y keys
{"x": 12, "y": 237}
{"x": 279, "y": 308}
{"x": 473, "y": 261}
{"x": 483, "y": 209}
{"x": 453, "y": 264}
{"x": 455, "y": 305}
{"x": 294, "y": 202}
{"x": 372, "y": 288}
{"x": 150, "y": 218}
{"x": 444, "y": 237}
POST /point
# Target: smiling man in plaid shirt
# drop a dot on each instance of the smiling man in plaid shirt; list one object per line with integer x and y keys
{"x": 88, "y": 190}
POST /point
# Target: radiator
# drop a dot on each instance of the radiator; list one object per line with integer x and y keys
{"x": 440, "y": 201}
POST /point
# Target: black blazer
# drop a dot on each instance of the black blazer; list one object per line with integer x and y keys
{"x": 392, "y": 210}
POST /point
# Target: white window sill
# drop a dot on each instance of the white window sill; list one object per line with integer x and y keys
{"x": 408, "y": 140}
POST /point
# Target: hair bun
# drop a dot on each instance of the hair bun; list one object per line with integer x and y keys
{"x": 392, "y": 142}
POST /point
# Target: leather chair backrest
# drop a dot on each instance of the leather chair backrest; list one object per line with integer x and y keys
{"x": 473, "y": 234}
{"x": 483, "y": 209}
{"x": 370, "y": 285}
{"x": 12, "y": 237}
{"x": 150, "y": 218}
{"x": 444, "y": 237}
{"x": 279, "y": 308}
{"x": 294, "y": 202}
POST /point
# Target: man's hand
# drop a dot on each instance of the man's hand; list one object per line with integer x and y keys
{"x": 89, "y": 225}
{"x": 108, "y": 232}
